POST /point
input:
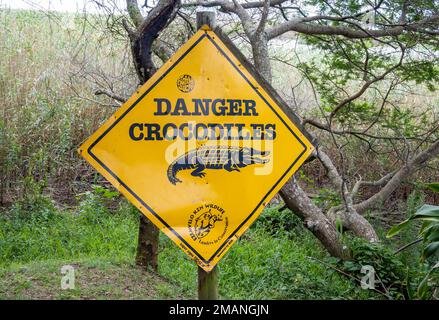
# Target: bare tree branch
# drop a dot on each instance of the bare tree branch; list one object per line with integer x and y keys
{"x": 348, "y": 215}
{"x": 264, "y": 17}
{"x": 245, "y": 19}
{"x": 111, "y": 95}
{"x": 366, "y": 86}
{"x": 411, "y": 166}
{"x": 357, "y": 133}
{"x": 302, "y": 25}
{"x": 131, "y": 32}
{"x": 159, "y": 48}
{"x": 228, "y": 5}
{"x": 332, "y": 170}
{"x": 310, "y": 24}
{"x": 147, "y": 32}
{"x": 134, "y": 12}
{"x": 379, "y": 183}
{"x": 314, "y": 219}
{"x": 188, "y": 22}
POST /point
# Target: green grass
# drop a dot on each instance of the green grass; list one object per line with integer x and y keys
{"x": 94, "y": 279}
{"x": 34, "y": 230}
{"x": 271, "y": 261}
{"x": 262, "y": 267}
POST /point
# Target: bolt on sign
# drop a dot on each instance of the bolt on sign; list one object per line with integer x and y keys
{"x": 201, "y": 148}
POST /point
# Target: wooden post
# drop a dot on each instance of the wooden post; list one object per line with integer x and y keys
{"x": 205, "y": 16}
{"x": 208, "y": 284}
{"x": 207, "y": 281}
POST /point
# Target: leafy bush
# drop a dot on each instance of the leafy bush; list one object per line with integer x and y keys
{"x": 33, "y": 204}
{"x": 389, "y": 270}
{"x": 259, "y": 266}
{"x": 94, "y": 206}
{"x": 429, "y": 234}
{"x": 278, "y": 222}
{"x": 429, "y": 231}
{"x": 327, "y": 198}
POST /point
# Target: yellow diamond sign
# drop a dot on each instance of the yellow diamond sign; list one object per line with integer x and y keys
{"x": 201, "y": 148}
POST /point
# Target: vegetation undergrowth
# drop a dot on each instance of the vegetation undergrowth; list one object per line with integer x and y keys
{"x": 103, "y": 227}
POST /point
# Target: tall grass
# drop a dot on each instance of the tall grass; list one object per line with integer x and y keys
{"x": 48, "y": 73}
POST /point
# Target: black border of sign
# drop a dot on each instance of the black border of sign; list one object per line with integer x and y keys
{"x": 144, "y": 94}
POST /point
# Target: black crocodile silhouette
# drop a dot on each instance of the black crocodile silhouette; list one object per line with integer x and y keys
{"x": 215, "y": 157}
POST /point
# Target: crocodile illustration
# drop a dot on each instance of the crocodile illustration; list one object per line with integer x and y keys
{"x": 215, "y": 157}
{"x": 205, "y": 223}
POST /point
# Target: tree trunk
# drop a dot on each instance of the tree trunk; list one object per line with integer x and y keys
{"x": 261, "y": 57}
{"x": 142, "y": 40}
{"x": 355, "y": 223}
{"x": 314, "y": 219}
{"x": 148, "y": 244}
{"x": 403, "y": 173}
{"x": 292, "y": 194}
{"x": 347, "y": 214}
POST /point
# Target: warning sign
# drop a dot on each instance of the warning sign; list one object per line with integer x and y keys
{"x": 201, "y": 148}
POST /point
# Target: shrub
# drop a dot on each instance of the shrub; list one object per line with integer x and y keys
{"x": 429, "y": 234}
{"x": 279, "y": 222}
{"x": 390, "y": 272}
{"x": 34, "y": 204}
{"x": 95, "y": 205}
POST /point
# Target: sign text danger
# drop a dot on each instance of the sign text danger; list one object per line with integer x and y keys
{"x": 203, "y": 131}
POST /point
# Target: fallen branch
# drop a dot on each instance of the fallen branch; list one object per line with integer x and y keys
{"x": 110, "y": 95}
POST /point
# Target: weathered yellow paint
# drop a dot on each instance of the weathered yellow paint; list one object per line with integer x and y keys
{"x": 203, "y": 215}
